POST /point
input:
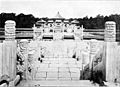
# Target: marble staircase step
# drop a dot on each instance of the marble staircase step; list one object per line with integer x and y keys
{"x": 80, "y": 83}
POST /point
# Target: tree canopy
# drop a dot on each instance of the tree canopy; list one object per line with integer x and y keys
{"x": 27, "y": 21}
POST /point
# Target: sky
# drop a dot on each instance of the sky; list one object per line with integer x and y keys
{"x": 67, "y": 8}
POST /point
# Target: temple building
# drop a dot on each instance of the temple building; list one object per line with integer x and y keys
{"x": 57, "y": 28}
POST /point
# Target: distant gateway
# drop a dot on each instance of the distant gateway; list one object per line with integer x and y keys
{"x": 57, "y": 28}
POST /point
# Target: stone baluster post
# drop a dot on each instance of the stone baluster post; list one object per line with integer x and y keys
{"x": 23, "y": 46}
{"x": 93, "y": 50}
{"x": 37, "y": 33}
{"x": 110, "y": 58}
{"x": 1, "y": 53}
{"x": 54, "y": 33}
{"x": 34, "y": 33}
{"x": 9, "y": 50}
{"x": 82, "y": 33}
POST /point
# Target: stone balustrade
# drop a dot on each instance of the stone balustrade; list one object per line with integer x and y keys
{"x": 8, "y": 51}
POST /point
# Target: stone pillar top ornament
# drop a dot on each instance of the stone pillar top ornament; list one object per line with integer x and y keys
{"x": 10, "y": 30}
{"x": 110, "y": 31}
{"x": 110, "y": 22}
{"x": 10, "y": 22}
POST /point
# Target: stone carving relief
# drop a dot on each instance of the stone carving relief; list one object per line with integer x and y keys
{"x": 10, "y": 29}
{"x": 22, "y": 57}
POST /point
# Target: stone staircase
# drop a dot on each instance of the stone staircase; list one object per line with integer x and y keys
{"x": 57, "y": 72}
{"x": 58, "y": 69}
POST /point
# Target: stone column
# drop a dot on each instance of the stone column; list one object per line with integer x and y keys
{"x": 110, "y": 38}
{"x": 9, "y": 50}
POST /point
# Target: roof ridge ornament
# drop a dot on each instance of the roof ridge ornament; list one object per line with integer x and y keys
{"x": 58, "y": 15}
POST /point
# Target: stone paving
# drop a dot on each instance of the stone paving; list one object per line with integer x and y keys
{"x": 58, "y": 69}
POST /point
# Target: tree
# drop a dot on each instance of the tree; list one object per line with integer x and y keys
{"x": 6, "y": 16}
{"x": 25, "y": 21}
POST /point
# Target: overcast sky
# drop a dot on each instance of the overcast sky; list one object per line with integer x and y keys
{"x": 67, "y": 8}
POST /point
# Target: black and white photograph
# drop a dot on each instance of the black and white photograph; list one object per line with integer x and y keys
{"x": 59, "y": 43}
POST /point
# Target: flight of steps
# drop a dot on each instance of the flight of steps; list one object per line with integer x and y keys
{"x": 58, "y": 69}
{"x": 57, "y": 72}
